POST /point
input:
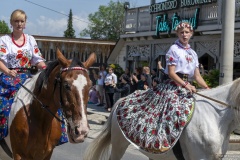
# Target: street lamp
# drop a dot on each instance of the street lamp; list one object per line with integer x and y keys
{"x": 126, "y": 5}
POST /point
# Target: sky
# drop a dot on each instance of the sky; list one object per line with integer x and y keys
{"x": 49, "y": 17}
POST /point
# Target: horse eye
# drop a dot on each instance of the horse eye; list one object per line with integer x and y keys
{"x": 67, "y": 86}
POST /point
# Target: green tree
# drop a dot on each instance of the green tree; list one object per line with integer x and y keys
{"x": 106, "y": 23}
{"x": 4, "y": 27}
{"x": 70, "y": 32}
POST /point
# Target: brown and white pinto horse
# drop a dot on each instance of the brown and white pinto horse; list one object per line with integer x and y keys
{"x": 64, "y": 84}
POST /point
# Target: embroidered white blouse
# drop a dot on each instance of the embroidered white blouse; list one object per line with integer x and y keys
{"x": 15, "y": 57}
{"x": 184, "y": 58}
{"x": 111, "y": 78}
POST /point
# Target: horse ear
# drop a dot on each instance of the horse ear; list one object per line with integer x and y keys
{"x": 62, "y": 60}
{"x": 91, "y": 59}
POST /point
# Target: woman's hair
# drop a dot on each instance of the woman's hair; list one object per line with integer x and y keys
{"x": 139, "y": 70}
{"x": 157, "y": 80}
{"x": 126, "y": 78}
{"x": 111, "y": 68}
{"x": 184, "y": 25}
{"x": 18, "y": 14}
{"x": 146, "y": 69}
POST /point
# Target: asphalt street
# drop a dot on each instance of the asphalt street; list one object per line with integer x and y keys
{"x": 97, "y": 116}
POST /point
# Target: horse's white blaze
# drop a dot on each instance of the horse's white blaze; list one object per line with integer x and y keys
{"x": 80, "y": 83}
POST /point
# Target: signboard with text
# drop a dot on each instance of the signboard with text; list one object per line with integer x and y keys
{"x": 175, "y": 4}
{"x": 165, "y": 24}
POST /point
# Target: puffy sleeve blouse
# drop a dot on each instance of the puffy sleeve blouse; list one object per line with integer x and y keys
{"x": 185, "y": 59}
{"x": 24, "y": 56}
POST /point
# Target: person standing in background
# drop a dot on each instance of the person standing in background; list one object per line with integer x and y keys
{"x": 135, "y": 77}
{"x": 125, "y": 88}
{"x": 146, "y": 70}
{"x": 100, "y": 84}
{"x": 110, "y": 81}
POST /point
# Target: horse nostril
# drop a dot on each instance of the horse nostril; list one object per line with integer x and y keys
{"x": 76, "y": 131}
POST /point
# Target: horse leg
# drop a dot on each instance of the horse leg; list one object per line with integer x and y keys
{"x": 118, "y": 141}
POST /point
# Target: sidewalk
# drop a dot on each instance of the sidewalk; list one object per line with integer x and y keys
{"x": 97, "y": 116}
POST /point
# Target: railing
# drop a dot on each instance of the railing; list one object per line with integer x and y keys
{"x": 140, "y": 20}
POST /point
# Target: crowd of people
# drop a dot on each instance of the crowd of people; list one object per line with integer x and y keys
{"x": 107, "y": 83}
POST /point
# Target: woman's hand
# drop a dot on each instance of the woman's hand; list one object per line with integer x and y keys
{"x": 145, "y": 87}
{"x": 12, "y": 73}
{"x": 190, "y": 87}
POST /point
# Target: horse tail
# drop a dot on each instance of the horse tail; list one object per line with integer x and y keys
{"x": 99, "y": 147}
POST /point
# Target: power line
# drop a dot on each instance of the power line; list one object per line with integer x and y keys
{"x": 56, "y": 11}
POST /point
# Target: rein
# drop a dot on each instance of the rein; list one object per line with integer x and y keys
{"x": 227, "y": 105}
{"x": 213, "y": 99}
{"x": 43, "y": 106}
{"x": 58, "y": 80}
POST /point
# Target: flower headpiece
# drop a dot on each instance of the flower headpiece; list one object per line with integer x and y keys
{"x": 184, "y": 25}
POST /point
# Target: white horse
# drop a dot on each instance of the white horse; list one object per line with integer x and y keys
{"x": 206, "y": 137}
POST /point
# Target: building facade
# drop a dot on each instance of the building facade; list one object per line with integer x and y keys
{"x": 149, "y": 32}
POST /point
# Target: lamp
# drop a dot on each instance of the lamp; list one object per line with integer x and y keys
{"x": 126, "y": 5}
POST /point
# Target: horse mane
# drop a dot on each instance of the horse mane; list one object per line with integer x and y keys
{"x": 234, "y": 94}
{"x": 76, "y": 62}
{"x": 43, "y": 77}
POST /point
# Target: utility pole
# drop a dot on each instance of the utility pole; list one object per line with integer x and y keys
{"x": 227, "y": 41}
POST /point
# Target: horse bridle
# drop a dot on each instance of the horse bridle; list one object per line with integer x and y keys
{"x": 59, "y": 81}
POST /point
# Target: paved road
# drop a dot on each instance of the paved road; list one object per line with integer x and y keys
{"x": 75, "y": 152}
{"x": 97, "y": 116}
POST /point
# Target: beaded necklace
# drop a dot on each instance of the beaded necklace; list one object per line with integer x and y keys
{"x": 16, "y": 43}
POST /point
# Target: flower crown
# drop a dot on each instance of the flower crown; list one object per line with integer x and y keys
{"x": 184, "y": 25}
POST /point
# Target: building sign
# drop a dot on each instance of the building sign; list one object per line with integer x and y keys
{"x": 175, "y": 4}
{"x": 164, "y": 24}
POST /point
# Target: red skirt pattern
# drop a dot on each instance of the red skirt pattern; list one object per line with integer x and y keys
{"x": 154, "y": 119}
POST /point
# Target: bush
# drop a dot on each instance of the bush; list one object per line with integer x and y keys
{"x": 212, "y": 79}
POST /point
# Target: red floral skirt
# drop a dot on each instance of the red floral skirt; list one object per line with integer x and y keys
{"x": 154, "y": 119}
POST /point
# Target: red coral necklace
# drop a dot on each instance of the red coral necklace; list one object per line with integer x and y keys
{"x": 16, "y": 43}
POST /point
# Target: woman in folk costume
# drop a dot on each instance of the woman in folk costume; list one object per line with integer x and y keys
{"x": 18, "y": 52}
{"x": 154, "y": 119}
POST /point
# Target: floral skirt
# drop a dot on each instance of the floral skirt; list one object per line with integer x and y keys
{"x": 8, "y": 90}
{"x": 154, "y": 119}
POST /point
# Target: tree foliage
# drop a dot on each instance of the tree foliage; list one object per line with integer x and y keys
{"x": 212, "y": 79}
{"x": 70, "y": 32}
{"x": 106, "y": 23}
{"x": 4, "y": 27}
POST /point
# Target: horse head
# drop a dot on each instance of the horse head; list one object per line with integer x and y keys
{"x": 69, "y": 82}
{"x": 74, "y": 89}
